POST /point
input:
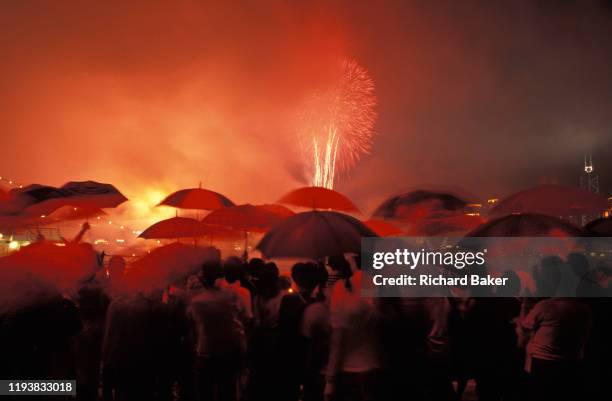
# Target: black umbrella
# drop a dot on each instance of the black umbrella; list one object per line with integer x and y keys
{"x": 600, "y": 227}
{"x": 314, "y": 235}
{"x": 391, "y": 208}
{"x": 526, "y": 225}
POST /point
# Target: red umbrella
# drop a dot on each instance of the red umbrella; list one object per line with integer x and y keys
{"x": 243, "y": 218}
{"x": 319, "y": 198}
{"x": 277, "y": 209}
{"x": 526, "y": 225}
{"x": 167, "y": 264}
{"x": 458, "y": 223}
{"x": 314, "y": 235}
{"x": 383, "y": 228}
{"x": 68, "y": 213}
{"x": 247, "y": 218}
{"x": 175, "y": 227}
{"x": 552, "y": 200}
{"x": 196, "y": 198}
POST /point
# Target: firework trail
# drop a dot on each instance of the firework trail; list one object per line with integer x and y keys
{"x": 337, "y": 124}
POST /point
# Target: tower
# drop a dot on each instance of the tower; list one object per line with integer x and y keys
{"x": 589, "y": 180}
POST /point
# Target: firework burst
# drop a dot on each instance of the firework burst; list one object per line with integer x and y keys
{"x": 337, "y": 124}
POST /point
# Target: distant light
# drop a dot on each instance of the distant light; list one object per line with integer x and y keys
{"x": 120, "y": 241}
{"x": 158, "y": 241}
{"x": 98, "y": 217}
{"x": 1, "y": 235}
{"x": 60, "y": 244}
{"x": 13, "y": 245}
{"x": 74, "y": 208}
{"x": 110, "y": 222}
{"x": 11, "y": 182}
{"x": 121, "y": 227}
{"x": 20, "y": 186}
{"x": 42, "y": 216}
{"x": 290, "y": 289}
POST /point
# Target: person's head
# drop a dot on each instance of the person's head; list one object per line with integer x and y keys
{"x": 211, "y": 272}
{"x": 578, "y": 263}
{"x": 342, "y": 267}
{"x": 254, "y": 267}
{"x": 513, "y": 284}
{"x": 116, "y": 266}
{"x": 548, "y": 276}
{"x": 305, "y": 276}
{"x": 233, "y": 269}
{"x": 267, "y": 280}
{"x": 339, "y": 264}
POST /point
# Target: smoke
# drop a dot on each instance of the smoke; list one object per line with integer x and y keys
{"x": 489, "y": 97}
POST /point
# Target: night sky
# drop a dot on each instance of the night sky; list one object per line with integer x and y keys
{"x": 482, "y": 98}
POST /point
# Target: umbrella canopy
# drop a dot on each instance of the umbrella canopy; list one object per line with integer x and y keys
{"x": 383, "y": 228}
{"x": 196, "y": 198}
{"x": 319, "y": 198}
{"x": 277, "y": 209}
{"x": 600, "y": 227}
{"x": 314, "y": 235}
{"x": 552, "y": 200}
{"x": 69, "y": 213}
{"x": 175, "y": 227}
{"x": 458, "y": 223}
{"x": 526, "y": 225}
{"x": 243, "y": 218}
{"x": 419, "y": 204}
{"x": 44, "y": 200}
{"x": 95, "y": 194}
{"x": 169, "y": 263}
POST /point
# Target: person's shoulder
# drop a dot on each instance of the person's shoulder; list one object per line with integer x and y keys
{"x": 316, "y": 309}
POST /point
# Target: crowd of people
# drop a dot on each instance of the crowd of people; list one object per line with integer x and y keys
{"x": 239, "y": 330}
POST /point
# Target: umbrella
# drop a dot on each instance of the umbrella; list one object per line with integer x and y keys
{"x": 196, "y": 198}
{"x": 526, "y": 225}
{"x": 167, "y": 264}
{"x": 275, "y": 208}
{"x": 552, "y": 200}
{"x": 36, "y": 194}
{"x": 458, "y": 223}
{"x": 419, "y": 204}
{"x": 243, "y": 218}
{"x": 68, "y": 213}
{"x": 383, "y": 228}
{"x": 314, "y": 235}
{"x": 601, "y": 227}
{"x": 319, "y": 198}
{"x": 85, "y": 194}
{"x": 175, "y": 227}
{"x": 95, "y": 193}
